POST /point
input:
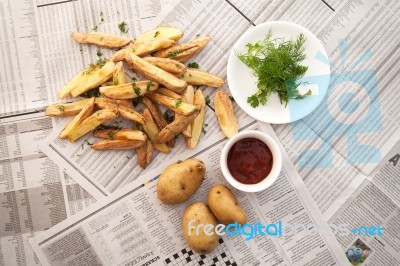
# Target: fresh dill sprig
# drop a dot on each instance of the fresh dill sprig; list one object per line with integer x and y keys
{"x": 276, "y": 64}
{"x": 122, "y": 27}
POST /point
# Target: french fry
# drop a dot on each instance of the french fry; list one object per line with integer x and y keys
{"x": 128, "y": 90}
{"x": 84, "y": 113}
{"x": 144, "y": 153}
{"x": 149, "y": 151}
{"x": 156, "y": 74}
{"x": 131, "y": 114}
{"x": 160, "y": 32}
{"x": 195, "y": 76}
{"x": 197, "y": 124}
{"x": 113, "y": 134}
{"x": 155, "y": 113}
{"x": 97, "y": 78}
{"x": 106, "y": 105}
{"x": 225, "y": 115}
{"x": 177, "y": 105}
{"x": 188, "y": 97}
{"x": 142, "y": 48}
{"x": 119, "y": 144}
{"x": 200, "y": 44}
{"x": 175, "y": 50}
{"x": 175, "y": 127}
{"x": 119, "y": 76}
{"x": 90, "y": 123}
{"x": 152, "y": 131}
{"x": 101, "y": 39}
{"x": 169, "y": 65}
{"x": 66, "y": 109}
{"x": 169, "y": 93}
{"x": 79, "y": 79}
{"x": 125, "y": 103}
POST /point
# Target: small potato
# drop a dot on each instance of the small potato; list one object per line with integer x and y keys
{"x": 196, "y": 216}
{"x": 179, "y": 181}
{"x": 225, "y": 206}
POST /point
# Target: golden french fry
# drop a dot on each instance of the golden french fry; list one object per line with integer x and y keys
{"x": 119, "y": 144}
{"x": 84, "y": 113}
{"x": 142, "y": 48}
{"x": 66, "y": 109}
{"x": 195, "y": 76}
{"x": 129, "y": 90}
{"x": 188, "y": 97}
{"x": 169, "y": 65}
{"x": 149, "y": 151}
{"x": 156, "y": 74}
{"x": 131, "y": 114}
{"x": 97, "y": 78}
{"x": 155, "y": 112}
{"x": 141, "y": 154}
{"x": 125, "y": 103}
{"x": 106, "y": 105}
{"x": 197, "y": 124}
{"x": 175, "y": 50}
{"x": 101, "y": 39}
{"x": 175, "y": 127}
{"x": 161, "y": 32}
{"x": 119, "y": 76}
{"x": 200, "y": 44}
{"x": 114, "y": 134}
{"x": 225, "y": 115}
{"x": 90, "y": 123}
{"x": 79, "y": 79}
{"x": 152, "y": 131}
{"x": 169, "y": 93}
{"x": 177, "y": 105}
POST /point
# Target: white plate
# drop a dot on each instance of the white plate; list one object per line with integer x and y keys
{"x": 242, "y": 83}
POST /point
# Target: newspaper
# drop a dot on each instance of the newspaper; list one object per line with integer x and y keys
{"x": 33, "y": 194}
{"x": 132, "y": 227}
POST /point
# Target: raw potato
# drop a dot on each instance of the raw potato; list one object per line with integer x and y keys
{"x": 198, "y": 214}
{"x": 195, "y": 76}
{"x": 77, "y": 120}
{"x": 101, "y": 39}
{"x": 225, "y": 206}
{"x": 179, "y": 181}
{"x": 160, "y": 32}
{"x": 156, "y": 74}
{"x": 197, "y": 124}
{"x": 225, "y": 115}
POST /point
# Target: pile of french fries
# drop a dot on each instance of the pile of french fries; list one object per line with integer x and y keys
{"x": 167, "y": 81}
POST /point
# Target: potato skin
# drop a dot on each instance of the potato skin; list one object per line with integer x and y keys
{"x": 179, "y": 181}
{"x": 225, "y": 206}
{"x": 199, "y": 214}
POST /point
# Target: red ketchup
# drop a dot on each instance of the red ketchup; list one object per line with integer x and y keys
{"x": 250, "y": 161}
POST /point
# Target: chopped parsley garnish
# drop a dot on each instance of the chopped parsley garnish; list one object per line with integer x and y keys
{"x": 110, "y": 135}
{"x": 208, "y": 100}
{"x": 149, "y": 84}
{"x": 89, "y": 70}
{"x": 178, "y": 102}
{"x": 102, "y": 126}
{"x": 168, "y": 116}
{"x": 99, "y": 53}
{"x": 276, "y": 64}
{"x": 61, "y": 108}
{"x": 88, "y": 143}
{"x": 203, "y": 129}
{"x": 101, "y": 62}
{"x": 101, "y": 17}
{"x": 193, "y": 65}
{"x": 115, "y": 79}
{"x": 156, "y": 34}
{"x": 122, "y": 27}
{"x": 174, "y": 53}
{"x": 136, "y": 89}
{"x": 92, "y": 93}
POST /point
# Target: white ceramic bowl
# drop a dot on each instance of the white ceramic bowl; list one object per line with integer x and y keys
{"x": 276, "y": 164}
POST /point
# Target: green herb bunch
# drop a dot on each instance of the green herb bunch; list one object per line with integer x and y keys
{"x": 276, "y": 64}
